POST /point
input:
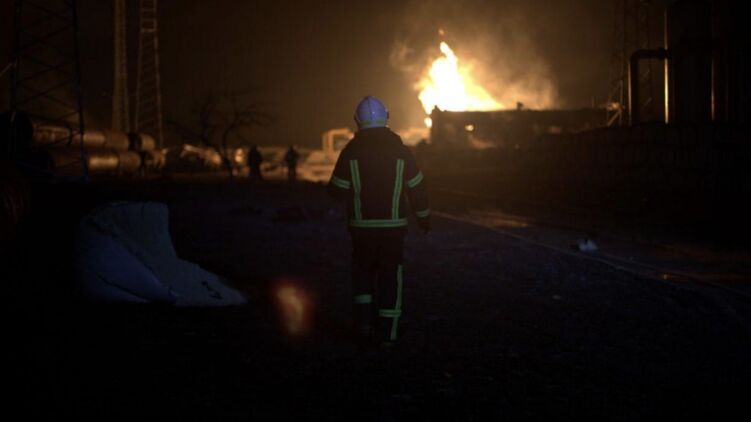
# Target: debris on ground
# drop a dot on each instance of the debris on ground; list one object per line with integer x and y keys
{"x": 586, "y": 244}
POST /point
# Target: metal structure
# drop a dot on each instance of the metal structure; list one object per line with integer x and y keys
{"x": 45, "y": 74}
{"x": 632, "y": 33}
{"x": 148, "y": 86}
{"x": 120, "y": 103}
{"x": 507, "y": 130}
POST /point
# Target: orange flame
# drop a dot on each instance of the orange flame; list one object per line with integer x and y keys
{"x": 451, "y": 87}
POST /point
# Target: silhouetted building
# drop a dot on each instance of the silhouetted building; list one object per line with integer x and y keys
{"x": 507, "y": 128}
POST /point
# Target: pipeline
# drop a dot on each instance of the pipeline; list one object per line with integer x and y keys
{"x": 66, "y": 161}
{"x": 44, "y": 135}
{"x": 56, "y": 148}
{"x": 666, "y": 54}
{"x": 633, "y": 80}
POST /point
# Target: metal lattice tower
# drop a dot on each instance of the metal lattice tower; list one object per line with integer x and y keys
{"x": 632, "y": 32}
{"x": 148, "y": 87}
{"x": 120, "y": 103}
{"x": 45, "y": 72}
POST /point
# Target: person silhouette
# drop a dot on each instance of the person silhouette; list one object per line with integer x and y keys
{"x": 254, "y": 162}
{"x": 290, "y": 158}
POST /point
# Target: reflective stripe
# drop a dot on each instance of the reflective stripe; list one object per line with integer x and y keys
{"x": 363, "y": 299}
{"x": 344, "y": 184}
{"x": 415, "y": 180}
{"x": 397, "y": 311}
{"x": 398, "y": 302}
{"x": 355, "y": 171}
{"x": 424, "y": 213}
{"x": 398, "y": 183}
{"x": 399, "y": 282}
{"x": 401, "y": 222}
{"x": 389, "y": 313}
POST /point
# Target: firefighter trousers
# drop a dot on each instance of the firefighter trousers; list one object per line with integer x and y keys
{"x": 377, "y": 283}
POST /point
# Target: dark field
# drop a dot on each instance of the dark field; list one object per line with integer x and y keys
{"x": 494, "y": 327}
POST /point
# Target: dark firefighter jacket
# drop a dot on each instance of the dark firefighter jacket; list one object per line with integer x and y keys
{"x": 374, "y": 174}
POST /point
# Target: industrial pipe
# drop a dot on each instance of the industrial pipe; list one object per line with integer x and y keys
{"x": 45, "y": 135}
{"x": 141, "y": 142}
{"x": 64, "y": 160}
{"x": 633, "y": 79}
{"x": 669, "y": 55}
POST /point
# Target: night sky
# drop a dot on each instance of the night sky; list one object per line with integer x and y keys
{"x": 309, "y": 63}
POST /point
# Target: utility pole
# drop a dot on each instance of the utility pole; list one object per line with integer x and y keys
{"x": 45, "y": 75}
{"x": 120, "y": 103}
{"x": 631, "y": 33}
{"x": 148, "y": 85}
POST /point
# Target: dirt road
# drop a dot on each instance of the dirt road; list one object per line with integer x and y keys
{"x": 494, "y": 328}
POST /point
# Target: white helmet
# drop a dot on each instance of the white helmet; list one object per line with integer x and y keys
{"x": 371, "y": 112}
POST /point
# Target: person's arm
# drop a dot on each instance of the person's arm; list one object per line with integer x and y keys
{"x": 340, "y": 184}
{"x": 417, "y": 192}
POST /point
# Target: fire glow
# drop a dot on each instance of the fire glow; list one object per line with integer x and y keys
{"x": 450, "y": 87}
{"x": 294, "y": 306}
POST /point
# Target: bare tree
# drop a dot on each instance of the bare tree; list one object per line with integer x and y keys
{"x": 221, "y": 120}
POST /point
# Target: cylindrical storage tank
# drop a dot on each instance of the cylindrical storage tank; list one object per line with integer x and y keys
{"x": 141, "y": 142}
{"x": 116, "y": 140}
{"x": 148, "y": 143}
{"x": 35, "y": 135}
{"x": 128, "y": 162}
{"x": 688, "y": 37}
{"x": 67, "y": 161}
{"x": 45, "y": 135}
{"x": 103, "y": 161}
{"x": 50, "y": 135}
{"x": 94, "y": 139}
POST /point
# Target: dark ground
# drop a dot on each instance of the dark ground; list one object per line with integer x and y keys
{"x": 494, "y": 328}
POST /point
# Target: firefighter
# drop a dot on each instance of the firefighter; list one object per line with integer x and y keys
{"x": 290, "y": 158}
{"x": 374, "y": 174}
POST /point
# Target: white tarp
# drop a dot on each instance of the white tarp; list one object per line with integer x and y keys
{"x": 124, "y": 253}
